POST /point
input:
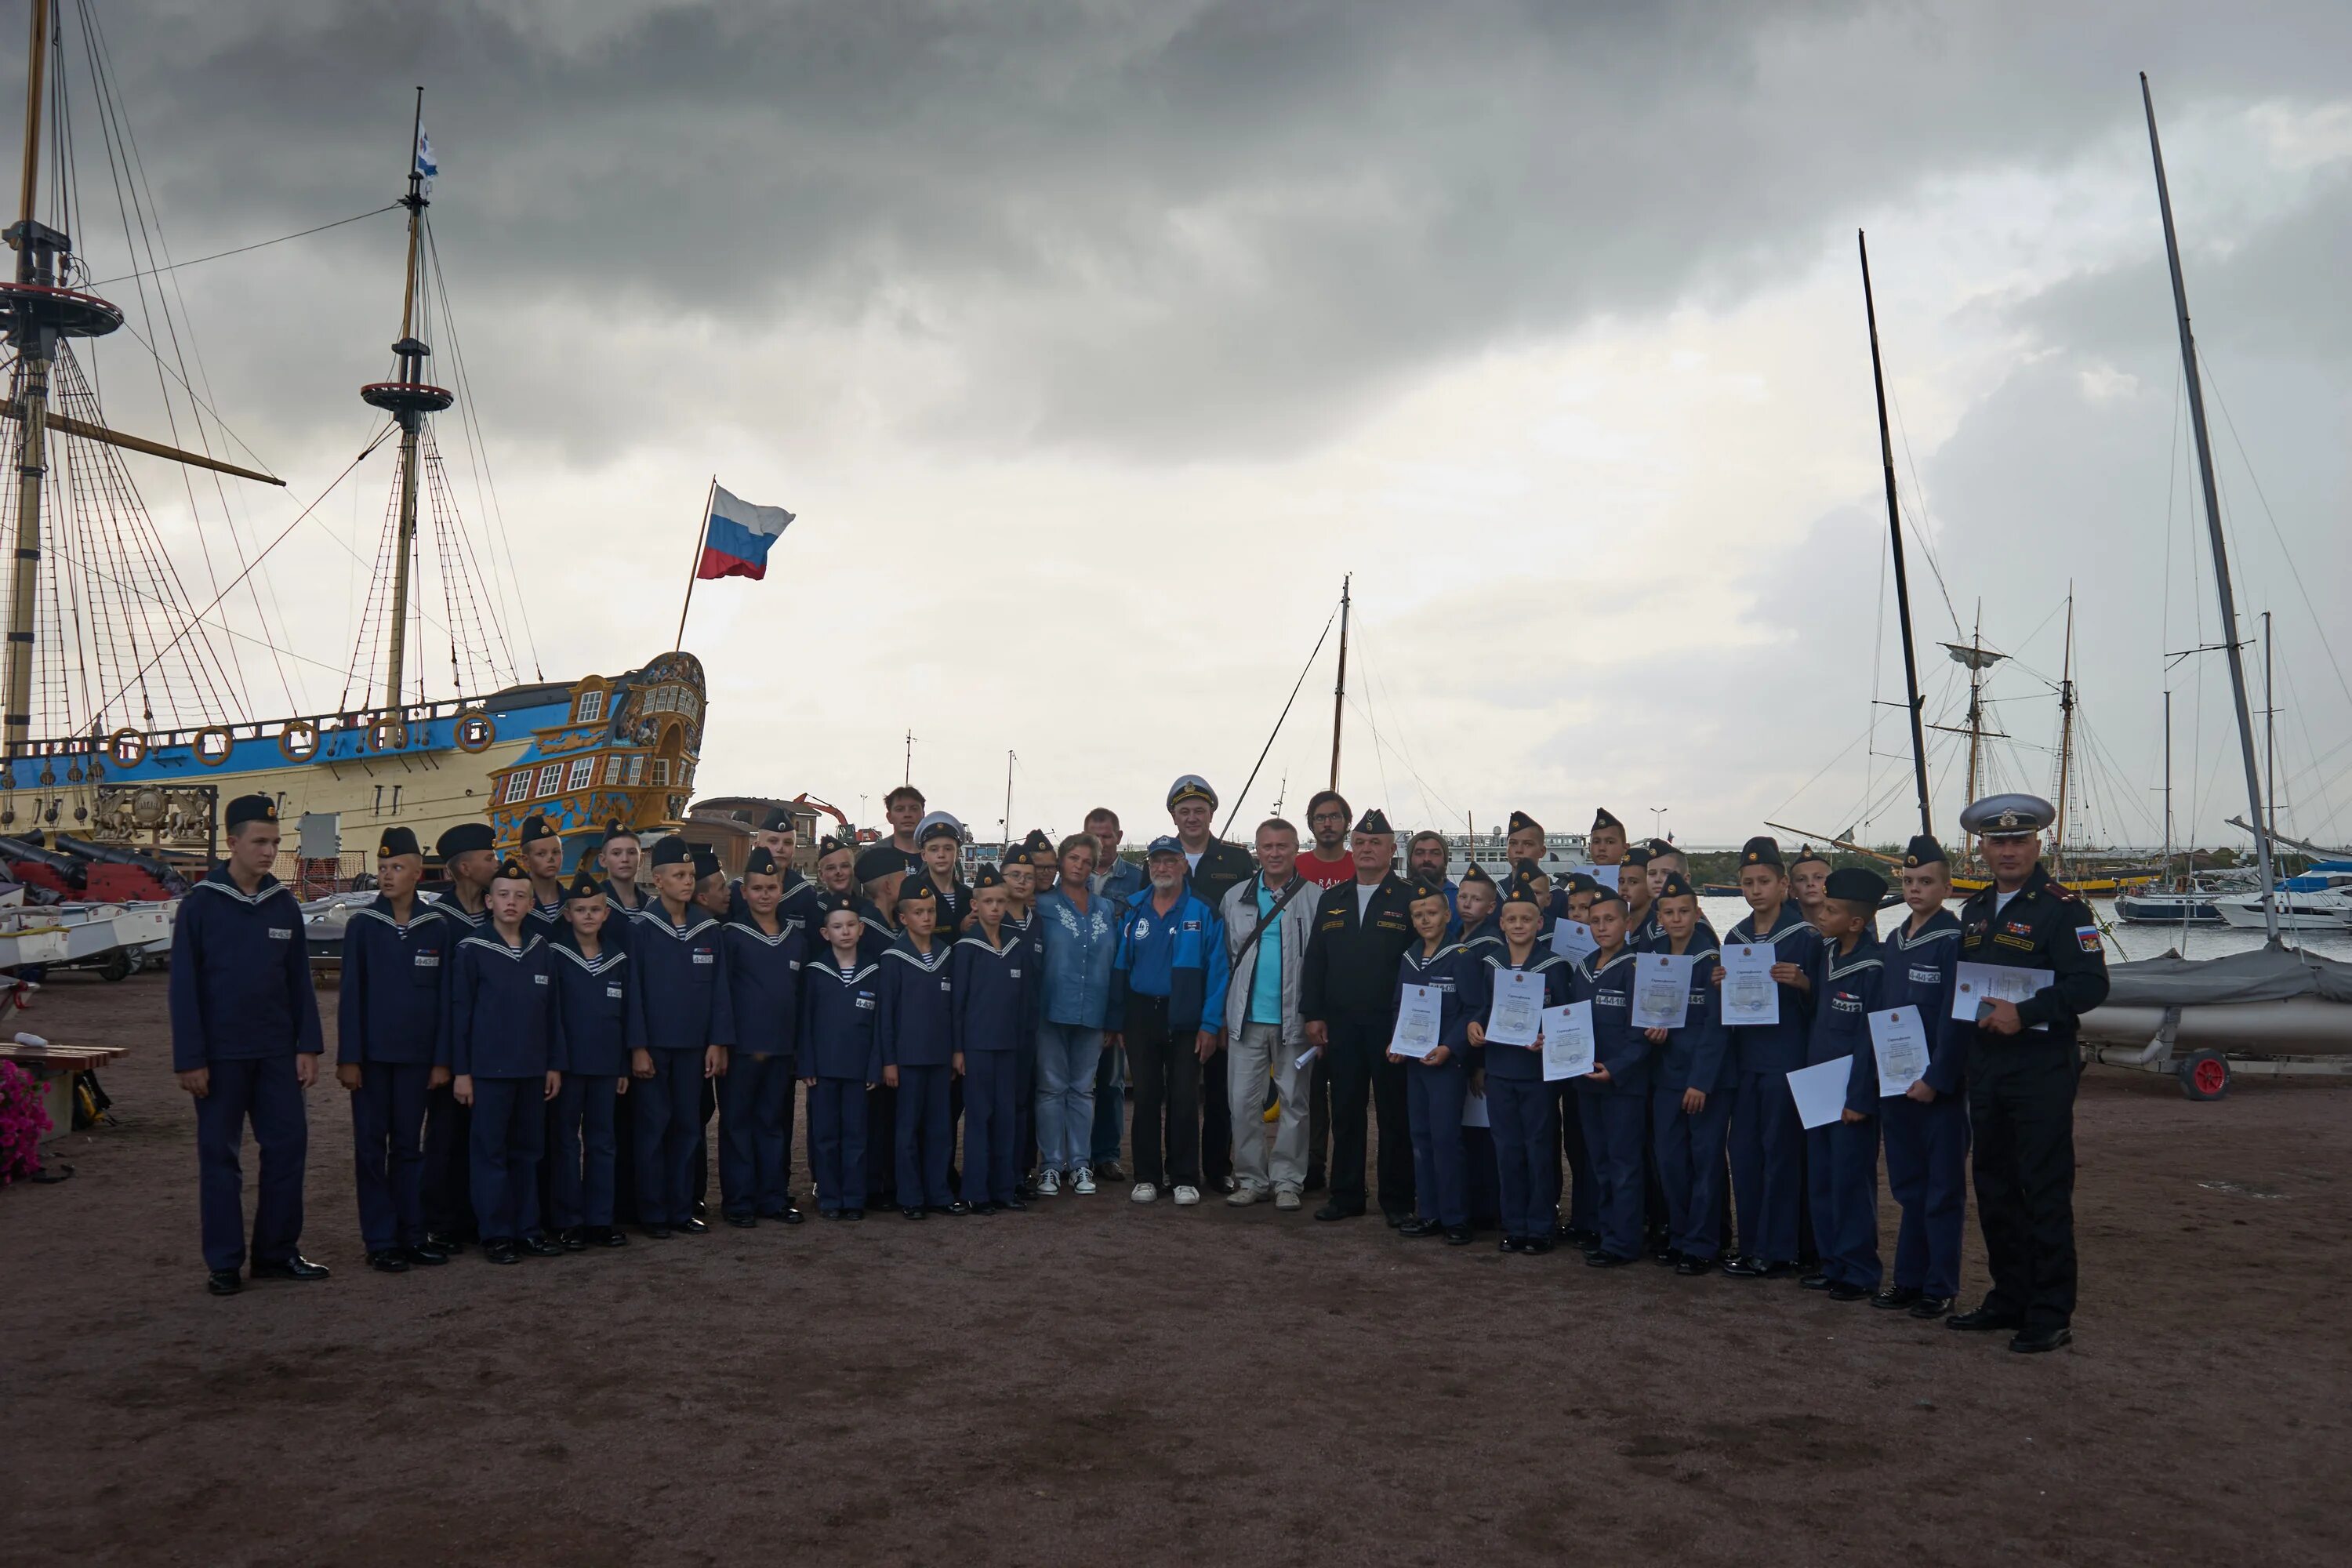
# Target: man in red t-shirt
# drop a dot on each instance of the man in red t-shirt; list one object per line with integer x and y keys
{"x": 1328, "y": 863}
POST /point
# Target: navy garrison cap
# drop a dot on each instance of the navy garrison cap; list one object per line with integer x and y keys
{"x": 396, "y": 841}
{"x": 833, "y": 903}
{"x": 1657, "y": 847}
{"x": 778, "y": 820}
{"x": 832, "y": 845}
{"x": 583, "y": 886}
{"x": 1426, "y": 889}
{"x": 1585, "y": 882}
{"x": 989, "y": 877}
{"x": 1038, "y": 849}
{"x": 1807, "y": 854}
{"x": 1476, "y": 873}
{"x": 1639, "y": 855}
{"x": 1607, "y": 895}
{"x": 1676, "y": 886}
{"x": 510, "y": 870}
{"x": 1603, "y": 818}
{"x": 1923, "y": 851}
{"x": 1856, "y": 885}
{"x": 916, "y": 887}
{"x": 2008, "y": 816}
{"x": 705, "y": 863}
{"x": 465, "y": 837}
{"x": 616, "y": 828}
{"x": 1521, "y": 890}
{"x": 1373, "y": 821}
{"x": 759, "y": 864}
{"x": 1760, "y": 850}
{"x": 535, "y": 827}
{"x": 1522, "y": 823}
{"x": 248, "y": 808}
{"x": 672, "y": 851}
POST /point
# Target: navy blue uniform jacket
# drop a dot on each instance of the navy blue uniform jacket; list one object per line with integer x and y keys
{"x": 240, "y": 975}
{"x": 1458, "y": 976}
{"x": 1777, "y": 1048}
{"x": 1845, "y": 993}
{"x": 1624, "y": 1050}
{"x": 1520, "y": 1063}
{"x": 596, "y": 1004}
{"x": 838, "y": 1040}
{"x": 994, "y": 986}
{"x": 683, "y": 969}
{"x": 1918, "y": 973}
{"x": 389, "y": 1009}
{"x": 502, "y": 1008}
{"x": 917, "y": 1026}
{"x": 764, "y": 983}
{"x": 1696, "y": 1055}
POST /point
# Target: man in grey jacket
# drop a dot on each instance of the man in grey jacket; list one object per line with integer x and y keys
{"x": 1266, "y": 918}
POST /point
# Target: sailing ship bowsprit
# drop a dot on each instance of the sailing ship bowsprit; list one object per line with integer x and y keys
{"x": 127, "y": 723}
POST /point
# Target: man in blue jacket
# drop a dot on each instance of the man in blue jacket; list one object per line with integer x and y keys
{"x": 246, "y": 1043}
{"x": 1167, "y": 996}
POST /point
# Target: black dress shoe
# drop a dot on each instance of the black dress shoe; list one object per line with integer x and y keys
{"x": 1110, "y": 1171}
{"x": 295, "y": 1268}
{"x": 608, "y": 1235}
{"x": 2033, "y": 1342}
{"x": 1457, "y": 1236}
{"x": 1815, "y": 1283}
{"x": 828, "y": 1213}
{"x": 958, "y": 1208}
{"x": 657, "y": 1233}
{"x": 447, "y": 1246}
{"x": 853, "y": 1213}
{"x": 426, "y": 1255}
{"x": 743, "y": 1221}
{"x": 574, "y": 1237}
{"x": 1511, "y": 1244}
{"x": 1417, "y": 1226}
{"x": 390, "y": 1260}
{"x": 500, "y": 1252}
{"x": 1843, "y": 1291}
{"x": 224, "y": 1281}
{"x": 1607, "y": 1261}
{"x": 788, "y": 1215}
{"x": 1397, "y": 1220}
{"x": 1746, "y": 1268}
{"x": 1984, "y": 1320}
{"x": 1894, "y": 1297}
{"x": 700, "y": 1208}
{"x": 1334, "y": 1211}
{"x": 1538, "y": 1245}
{"x": 983, "y": 1210}
{"x": 539, "y": 1247}
{"x": 1931, "y": 1306}
{"x": 1016, "y": 1202}
{"x": 695, "y": 1224}
{"x": 1691, "y": 1267}
{"x": 910, "y": 1211}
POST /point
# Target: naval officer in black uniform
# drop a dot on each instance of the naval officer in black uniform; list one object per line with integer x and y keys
{"x": 2023, "y": 1063}
{"x": 1347, "y": 993}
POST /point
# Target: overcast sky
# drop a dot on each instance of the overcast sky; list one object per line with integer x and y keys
{"x": 1094, "y": 343}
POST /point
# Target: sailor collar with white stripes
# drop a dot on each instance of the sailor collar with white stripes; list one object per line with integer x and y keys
{"x": 1904, "y": 941}
{"x": 1863, "y": 957}
{"x": 904, "y": 950}
{"x": 498, "y": 943}
{"x": 1790, "y": 918}
{"x": 699, "y": 920}
{"x": 749, "y": 926}
{"x": 605, "y": 957}
{"x": 1541, "y": 958}
{"x": 836, "y": 969}
{"x": 1624, "y": 954}
{"x": 418, "y": 912}
{"x": 1414, "y": 956}
{"x": 221, "y": 882}
{"x": 978, "y": 937}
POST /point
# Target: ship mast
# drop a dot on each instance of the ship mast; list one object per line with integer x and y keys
{"x": 1339, "y": 690}
{"x": 2221, "y": 586}
{"x": 2065, "y": 735}
{"x": 408, "y": 398}
{"x": 1911, "y": 699}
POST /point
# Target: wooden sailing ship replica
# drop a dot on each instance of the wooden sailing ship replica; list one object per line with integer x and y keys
{"x": 127, "y": 723}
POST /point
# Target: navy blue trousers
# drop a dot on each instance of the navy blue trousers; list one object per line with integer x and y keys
{"x": 1928, "y": 1172}
{"x": 1484, "y": 1179}
{"x": 1024, "y": 1113}
{"x": 1526, "y": 1138}
{"x": 1616, "y": 1127}
{"x": 837, "y": 1142}
{"x": 1767, "y": 1175}
{"x": 1583, "y": 1189}
{"x": 755, "y": 1103}
{"x": 1441, "y": 1176}
{"x": 388, "y": 1152}
{"x": 584, "y": 1150}
{"x": 668, "y": 1118}
{"x": 993, "y": 1123}
{"x": 449, "y": 1198}
{"x": 509, "y": 1136}
{"x": 1690, "y": 1167}
{"x": 1842, "y": 1175}
{"x": 926, "y": 1136}
{"x": 261, "y": 1089}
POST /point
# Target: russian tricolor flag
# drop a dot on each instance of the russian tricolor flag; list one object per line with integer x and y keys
{"x": 736, "y": 536}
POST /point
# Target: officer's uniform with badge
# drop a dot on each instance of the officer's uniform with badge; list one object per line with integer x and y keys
{"x": 243, "y": 1013}
{"x": 1347, "y": 983}
{"x": 1927, "y": 1141}
{"x": 2021, "y": 1085}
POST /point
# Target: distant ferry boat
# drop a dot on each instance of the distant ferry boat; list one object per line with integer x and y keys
{"x": 1563, "y": 853}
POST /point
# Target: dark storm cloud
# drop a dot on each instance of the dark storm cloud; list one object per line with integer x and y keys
{"x": 1166, "y": 229}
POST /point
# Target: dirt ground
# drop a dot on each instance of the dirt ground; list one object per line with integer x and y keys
{"x": 1092, "y": 1383}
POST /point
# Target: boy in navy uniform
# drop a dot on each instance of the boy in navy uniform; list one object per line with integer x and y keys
{"x": 764, "y": 952}
{"x": 387, "y": 1043}
{"x": 1474, "y": 909}
{"x": 939, "y": 838}
{"x": 1767, "y": 1139}
{"x": 508, "y": 1057}
{"x": 470, "y": 861}
{"x": 1841, "y": 1158}
{"x": 1808, "y": 876}
{"x": 246, "y": 1043}
{"x": 1633, "y": 887}
{"x": 542, "y": 857}
{"x": 1521, "y": 1108}
{"x": 1437, "y": 1084}
{"x": 1693, "y": 1087}
{"x": 994, "y": 974}
{"x": 840, "y": 1057}
{"x": 620, "y": 855}
{"x": 1926, "y": 1125}
{"x": 596, "y": 1009}
{"x": 1030, "y": 872}
{"x": 916, "y": 1027}
{"x": 2023, "y": 1068}
{"x": 1614, "y": 1099}
{"x": 678, "y": 956}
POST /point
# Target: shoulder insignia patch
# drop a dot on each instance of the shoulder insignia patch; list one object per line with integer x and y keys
{"x": 2089, "y": 937}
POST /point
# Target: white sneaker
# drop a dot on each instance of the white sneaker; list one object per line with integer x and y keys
{"x": 1083, "y": 1182}
{"x": 1187, "y": 1196}
{"x": 1142, "y": 1193}
{"x": 1241, "y": 1198}
{"x": 1285, "y": 1200}
{"x": 1049, "y": 1184}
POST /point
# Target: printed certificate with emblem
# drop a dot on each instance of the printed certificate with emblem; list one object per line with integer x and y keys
{"x": 1417, "y": 1021}
{"x": 1516, "y": 1016}
{"x": 1567, "y": 1041}
{"x": 1751, "y": 994}
{"x": 1975, "y": 985}
{"x": 1898, "y": 1041}
{"x": 1573, "y": 939}
{"x": 1662, "y": 990}
{"x": 1604, "y": 875}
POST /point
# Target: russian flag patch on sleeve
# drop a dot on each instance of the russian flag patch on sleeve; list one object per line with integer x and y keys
{"x": 2089, "y": 937}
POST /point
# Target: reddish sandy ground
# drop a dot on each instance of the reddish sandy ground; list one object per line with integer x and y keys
{"x": 1091, "y": 1383}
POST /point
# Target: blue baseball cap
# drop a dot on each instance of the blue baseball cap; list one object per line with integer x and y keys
{"x": 1165, "y": 845}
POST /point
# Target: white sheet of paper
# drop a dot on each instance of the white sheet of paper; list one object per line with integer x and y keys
{"x": 1898, "y": 1040}
{"x": 1417, "y": 1018}
{"x": 1567, "y": 1041}
{"x": 1976, "y": 982}
{"x": 1820, "y": 1092}
{"x": 1751, "y": 994}
{"x": 1604, "y": 875}
{"x": 1573, "y": 939}
{"x": 1305, "y": 1058}
{"x": 1473, "y": 1112}
{"x": 1661, "y": 984}
{"x": 1518, "y": 1012}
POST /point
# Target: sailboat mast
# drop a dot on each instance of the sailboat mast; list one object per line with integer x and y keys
{"x": 2269, "y": 732}
{"x": 1008, "y": 809}
{"x": 1339, "y": 691}
{"x": 2168, "y": 782}
{"x": 1976, "y": 699}
{"x": 34, "y": 344}
{"x": 2221, "y": 586}
{"x": 412, "y": 425}
{"x": 1911, "y": 699}
{"x": 2065, "y": 733}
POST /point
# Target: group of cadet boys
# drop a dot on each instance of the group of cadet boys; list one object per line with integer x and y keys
{"x": 530, "y": 1060}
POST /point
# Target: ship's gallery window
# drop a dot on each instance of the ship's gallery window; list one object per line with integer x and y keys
{"x": 592, "y": 707}
{"x": 551, "y": 778}
{"x": 616, "y": 771}
{"x": 583, "y": 772}
{"x": 661, "y": 770}
{"x": 518, "y": 786}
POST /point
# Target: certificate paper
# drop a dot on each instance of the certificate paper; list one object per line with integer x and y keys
{"x": 1751, "y": 994}
{"x": 1517, "y": 1012}
{"x": 1567, "y": 1041}
{"x": 1976, "y": 984}
{"x": 1417, "y": 1024}
{"x": 1604, "y": 875}
{"x": 1573, "y": 939}
{"x": 1662, "y": 990}
{"x": 1473, "y": 1112}
{"x": 1820, "y": 1092}
{"x": 1898, "y": 1039}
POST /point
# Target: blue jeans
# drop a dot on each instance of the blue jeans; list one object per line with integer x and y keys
{"x": 1067, "y": 1055}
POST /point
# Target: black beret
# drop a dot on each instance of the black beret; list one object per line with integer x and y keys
{"x": 1923, "y": 851}
{"x": 1521, "y": 822}
{"x": 248, "y": 808}
{"x": 1602, "y": 819}
{"x": 583, "y": 886}
{"x": 1760, "y": 850}
{"x": 1476, "y": 873}
{"x": 918, "y": 886}
{"x": 1676, "y": 886}
{"x": 1373, "y": 821}
{"x": 535, "y": 827}
{"x": 510, "y": 870}
{"x": 989, "y": 876}
{"x": 465, "y": 837}
{"x": 705, "y": 862}
{"x": 1855, "y": 885}
{"x": 880, "y": 861}
{"x": 759, "y": 863}
{"x": 672, "y": 851}
{"x": 396, "y": 841}
{"x": 778, "y": 820}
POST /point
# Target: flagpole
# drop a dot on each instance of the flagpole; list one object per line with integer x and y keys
{"x": 701, "y": 533}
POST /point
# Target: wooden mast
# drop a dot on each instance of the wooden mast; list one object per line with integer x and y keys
{"x": 2065, "y": 734}
{"x": 35, "y": 345}
{"x": 412, "y": 425}
{"x": 1911, "y": 699}
{"x": 1339, "y": 690}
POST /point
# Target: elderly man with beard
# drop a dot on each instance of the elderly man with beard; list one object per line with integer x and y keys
{"x": 1167, "y": 1004}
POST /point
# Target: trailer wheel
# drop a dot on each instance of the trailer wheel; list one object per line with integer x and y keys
{"x": 2204, "y": 1076}
{"x": 117, "y": 966}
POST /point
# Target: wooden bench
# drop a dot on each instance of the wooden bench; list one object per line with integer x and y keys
{"x": 54, "y": 1068}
